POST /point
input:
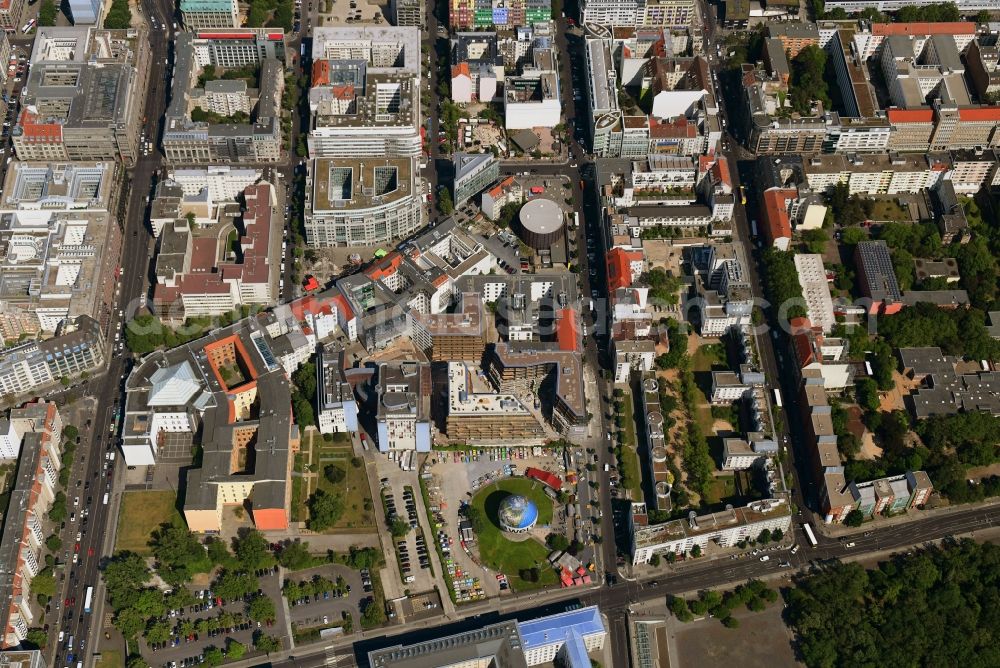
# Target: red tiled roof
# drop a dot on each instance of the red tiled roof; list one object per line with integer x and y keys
{"x": 910, "y": 115}
{"x": 321, "y": 73}
{"x": 619, "y": 267}
{"x": 721, "y": 171}
{"x": 550, "y": 479}
{"x": 462, "y": 69}
{"x": 776, "y": 222}
{"x": 568, "y": 330}
{"x": 918, "y": 28}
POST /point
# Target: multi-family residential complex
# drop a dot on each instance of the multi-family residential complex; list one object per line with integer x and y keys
{"x": 407, "y": 13}
{"x": 58, "y": 245}
{"x": 189, "y": 141}
{"x": 336, "y": 407}
{"x": 10, "y": 15}
{"x": 365, "y": 93}
{"x": 476, "y": 67}
{"x": 726, "y": 528}
{"x": 473, "y": 14}
{"x": 208, "y": 14}
{"x": 77, "y": 347}
{"x": 640, "y": 13}
{"x": 192, "y": 281}
{"x": 35, "y": 483}
{"x": 85, "y": 96}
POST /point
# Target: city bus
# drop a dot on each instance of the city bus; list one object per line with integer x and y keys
{"x": 810, "y": 536}
{"x": 28, "y": 26}
{"x": 777, "y": 397}
{"x": 88, "y": 600}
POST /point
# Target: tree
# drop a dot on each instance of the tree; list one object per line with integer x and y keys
{"x": 764, "y": 537}
{"x": 399, "y": 527}
{"x": 214, "y": 656}
{"x": 129, "y": 621}
{"x": 179, "y": 554}
{"x": 679, "y": 608}
{"x": 867, "y": 394}
{"x": 777, "y": 535}
{"x": 696, "y": 551}
{"x": 252, "y": 550}
{"x": 445, "y": 204}
{"x": 266, "y": 644}
{"x": 730, "y": 622}
{"x": 476, "y": 518}
{"x": 295, "y": 556}
{"x": 325, "y": 510}
{"x": 70, "y": 432}
{"x": 807, "y": 80}
{"x": 261, "y": 609}
{"x": 119, "y": 16}
{"x": 557, "y": 542}
{"x": 124, "y": 575}
{"x": 305, "y": 380}
{"x": 235, "y": 650}
{"x": 158, "y": 631}
{"x": 852, "y": 236}
{"x": 36, "y": 637}
{"x": 334, "y": 474}
{"x": 816, "y": 240}
{"x": 654, "y": 560}
{"x": 233, "y": 585}
{"x": 53, "y": 543}
{"x": 854, "y": 518}
{"x": 57, "y": 511}
{"x": 136, "y": 661}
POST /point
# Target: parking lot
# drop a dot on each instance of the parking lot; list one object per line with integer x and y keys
{"x": 339, "y": 590}
{"x": 412, "y": 550}
{"x": 350, "y": 12}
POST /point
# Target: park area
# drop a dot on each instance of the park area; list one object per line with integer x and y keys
{"x": 520, "y": 557}
{"x": 141, "y": 514}
{"x": 330, "y": 465}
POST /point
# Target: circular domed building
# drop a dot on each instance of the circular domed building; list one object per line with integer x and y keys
{"x": 517, "y": 514}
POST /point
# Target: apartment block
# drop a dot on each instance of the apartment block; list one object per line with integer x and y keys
{"x": 85, "y": 96}
{"x": 33, "y": 490}
{"x": 452, "y": 336}
{"x": 473, "y": 14}
{"x": 408, "y": 13}
{"x": 476, "y": 67}
{"x": 10, "y": 15}
{"x": 726, "y": 528}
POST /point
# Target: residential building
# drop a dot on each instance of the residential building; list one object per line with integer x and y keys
{"x": 723, "y": 298}
{"x": 474, "y": 14}
{"x": 885, "y": 496}
{"x": 5, "y": 51}
{"x": 632, "y": 356}
{"x": 32, "y": 490}
{"x": 476, "y": 67}
{"x": 820, "y": 357}
{"x": 187, "y": 141}
{"x": 452, "y": 336}
{"x": 336, "y": 407}
{"x": 876, "y": 277}
{"x": 192, "y": 281}
{"x": 408, "y": 13}
{"x": 85, "y": 12}
{"x": 403, "y": 395}
{"x": 740, "y": 454}
{"x": 876, "y": 174}
{"x": 474, "y": 173}
{"x": 58, "y": 245}
{"x": 77, "y": 347}
{"x": 726, "y": 528}
{"x": 365, "y": 94}
{"x": 655, "y": 436}
{"x": 362, "y": 201}
{"x": 794, "y": 36}
{"x": 209, "y": 14}
{"x": 85, "y": 96}
{"x": 224, "y": 97}
{"x": 10, "y": 15}
{"x": 815, "y": 290}
{"x": 624, "y": 267}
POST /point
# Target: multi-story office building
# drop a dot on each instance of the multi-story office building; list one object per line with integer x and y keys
{"x": 24, "y": 526}
{"x": 356, "y": 201}
{"x": 85, "y": 12}
{"x": 85, "y": 96}
{"x": 474, "y": 173}
{"x": 191, "y": 281}
{"x": 78, "y": 346}
{"x": 365, "y": 95}
{"x": 336, "y": 407}
{"x": 58, "y": 245}
{"x": 4, "y": 56}
{"x": 479, "y": 415}
{"x": 207, "y": 14}
{"x": 403, "y": 393}
{"x": 186, "y": 141}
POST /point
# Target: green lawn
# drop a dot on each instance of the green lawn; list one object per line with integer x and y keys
{"x": 507, "y": 556}
{"x": 631, "y": 472}
{"x": 110, "y": 658}
{"x": 141, "y": 514}
{"x": 358, "y": 511}
{"x": 298, "y": 502}
{"x": 889, "y": 210}
{"x": 706, "y": 356}
{"x": 721, "y": 488}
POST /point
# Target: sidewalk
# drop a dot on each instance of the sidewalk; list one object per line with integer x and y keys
{"x": 446, "y": 603}
{"x": 841, "y": 530}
